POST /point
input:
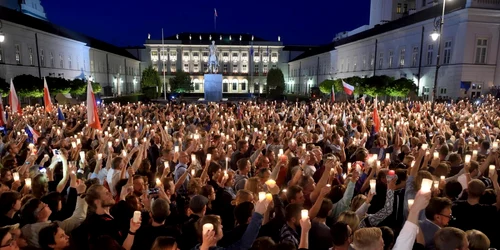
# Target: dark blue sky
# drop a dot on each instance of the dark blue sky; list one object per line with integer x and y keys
{"x": 127, "y": 22}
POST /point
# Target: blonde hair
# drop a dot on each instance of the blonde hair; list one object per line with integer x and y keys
{"x": 367, "y": 238}
{"x": 252, "y": 185}
{"x": 477, "y": 240}
{"x": 194, "y": 186}
{"x": 357, "y": 201}
{"x": 242, "y": 196}
{"x": 350, "y": 218}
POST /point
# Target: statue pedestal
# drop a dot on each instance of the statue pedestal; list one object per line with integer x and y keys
{"x": 213, "y": 87}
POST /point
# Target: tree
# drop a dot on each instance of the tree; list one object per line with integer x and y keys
{"x": 150, "y": 78}
{"x": 357, "y": 82}
{"x": 377, "y": 85}
{"x": 275, "y": 81}
{"x": 326, "y": 86}
{"x": 78, "y": 87}
{"x": 96, "y": 87}
{"x": 401, "y": 87}
{"x": 181, "y": 83}
{"x": 4, "y": 87}
{"x": 58, "y": 85}
{"x": 28, "y": 86}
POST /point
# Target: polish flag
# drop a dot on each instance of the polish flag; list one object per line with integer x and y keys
{"x": 348, "y": 89}
{"x": 92, "y": 114}
{"x": 376, "y": 118}
{"x": 215, "y": 12}
{"x": 14, "y": 103}
{"x": 333, "y": 94}
{"x": 3, "y": 120}
{"x": 46, "y": 97}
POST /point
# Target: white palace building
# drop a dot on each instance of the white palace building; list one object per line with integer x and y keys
{"x": 397, "y": 43}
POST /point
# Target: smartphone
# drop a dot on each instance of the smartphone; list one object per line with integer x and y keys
{"x": 153, "y": 191}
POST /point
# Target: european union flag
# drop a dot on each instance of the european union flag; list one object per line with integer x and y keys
{"x": 60, "y": 115}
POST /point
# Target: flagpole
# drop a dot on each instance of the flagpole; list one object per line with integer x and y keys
{"x": 163, "y": 59}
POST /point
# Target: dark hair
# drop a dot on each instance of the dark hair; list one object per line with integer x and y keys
{"x": 388, "y": 237}
{"x": 340, "y": 233}
{"x": 207, "y": 190}
{"x": 52, "y": 200}
{"x": 263, "y": 243}
{"x": 449, "y": 238}
{"x": 28, "y": 211}
{"x": 242, "y": 163}
{"x": 292, "y": 192}
{"x": 292, "y": 211}
{"x": 326, "y": 207}
{"x": 213, "y": 168}
{"x": 163, "y": 242}
{"x": 336, "y": 193}
{"x": 160, "y": 210}
{"x": 436, "y": 206}
{"x": 46, "y": 236}
{"x": 452, "y": 189}
{"x": 8, "y": 200}
{"x": 242, "y": 212}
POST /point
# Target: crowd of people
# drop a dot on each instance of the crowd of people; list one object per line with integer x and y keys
{"x": 362, "y": 175}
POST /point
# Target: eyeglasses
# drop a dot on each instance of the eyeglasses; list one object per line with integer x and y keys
{"x": 448, "y": 216}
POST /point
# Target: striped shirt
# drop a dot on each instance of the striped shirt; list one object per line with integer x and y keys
{"x": 288, "y": 234}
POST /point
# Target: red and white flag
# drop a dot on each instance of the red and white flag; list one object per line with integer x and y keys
{"x": 376, "y": 118}
{"x": 14, "y": 103}
{"x": 215, "y": 12}
{"x": 92, "y": 114}
{"x": 3, "y": 120}
{"x": 348, "y": 89}
{"x": 333, "y": 94}
{"x": 46, "y": 97}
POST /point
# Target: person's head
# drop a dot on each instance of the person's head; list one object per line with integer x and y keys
{"x": 455, "y": 159}
{"x": 183, "y": 157}
{"x": 476, "y": 188}
{"x": 198, "y": 204}
{"x": 160, "y": 210}
{"x": 53, "y": 200}
{"x": 450, "y": 238}
{"x": 452, "y": 189}
{"x": 264, "y": 174}
{"x": 169, "y": 186}
{"x": 307, "y": 183}
{"x": 35, "y": 211}
{"x": 292, "y": 214}
{"x": 253, "y": 186}
{"x": 351, "y": 218}
{"x": 118, "y": 163}
{"x": 243, "y": 213}
{"x": 214, "y": 151}
{"x": 10, "y": 200}
{"x": 325, "y": 209}
{"x": 214, "y": 171}
{"x": 6, "y": 173}
{"x": 336, "y": 193}
{"x": 242, "y": 146}
{"x": 7, "y": 240}
{"x": 53, "y": 237}
{"x": 388, "y": 237}
{"x": 138, "y": 183}
{"x": 215, "y": 221}
{"x": 439, "y": 211}
{"x": 164, "y": 243}
{"x": 12, "y": 148}
{"x": 263, "y": 243}
{"x": 209, "y": 192}
{"x": 243, "y": 165}
{"x": 194, "y": 186}
{"x": 477, "y": 240}
{"x": 341, "y": 234}
{"x": 368, "y": 238}
{"x": 294, "y": 195}
{"x": 98, "y": 197}
{"x": 243, "y": 195}
{"x": 357, "y": 201}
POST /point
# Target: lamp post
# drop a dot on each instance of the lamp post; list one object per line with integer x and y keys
{"x": 435, "y": 36}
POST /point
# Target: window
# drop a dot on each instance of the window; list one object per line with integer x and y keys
{"x": 197, "y": 86}
{"x": 51, "y": 59}
{"x": 442, "y": 91}
{"x": 173, "y": 68}
{"x": 380, "y": 60}
{"x": 235, "y": 86}
{"x": 414, "y": 57}
{"x": 355, "y": 66}
{"x": 405, "y": 8}
{"x": 235, "y": 68}
{"x": 447, "y": 52}
{"x": 398, "y": 9}
{"x": 274, "y": 54}
{"x": 61, "y": 61}
{"x": 205, "y": 67}
{"x": 69, "y": 64}
{"x": 244, "y": 56}
{"x": 154, "y": 55}
{"x": 18, "y": 53}
{"x": 481, "y": 50}
{"x": 364, "y": 62}
{"x": 196, "y": 67}
{"x": 244, "y": 68}
{"x": 30, "y": 52}
{"x": 391, "y": 58}
{"x": 235, "y": 55}
{"x": 372, "y": 61}
{"x": 430, "y": 54}
{"x": 186, "y": 67}
{"x": 256, "y": 69}
{"x": 265, "y": 69}
{"x": 243, "y": 86}
{"x": 42, "y": 58}
{"x": 402, "y": 57}
{"x": 225, "y": 68}
{"x": 92, "y": 65}
{"x": 342, "y": 65}
{"x": 225, "y": 54}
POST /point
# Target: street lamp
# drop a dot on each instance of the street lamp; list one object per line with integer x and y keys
{"x": 437, "y": 34}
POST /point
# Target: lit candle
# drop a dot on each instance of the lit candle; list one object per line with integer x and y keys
{"x": 15, "y": 176}
{"x": 387, "y": 156}
{"x": 284, "y": 190}
{"x": 424, "y": 146}
{"x": 262, "y": 196}
{"x": 117, "y": 140}
{"x": 328, "y": 185}
{"x": 124, "y": 153}
{"x": 467, "y": 159}
{"x": 492, "y": 170}
{"x": 73, "y": 144}
{"x": 349, "y": 166}
{"x": 129, "y": 141}
{"x": 269, "y": 197}
{"x": 443, "y": 177}
{"x": 176, "y": 149}
{"x": 426, "y": 185}
{"x": 193, "y": 172}
{"x": 436, "y": 184}
{"x": 207, "y": 228}
{"x": 209, "y": 157}
{"x": 31, "y": 146}
{"x": 99, "y": 156}
{"x": 474, "y": 154}
{"x": 280, "y": 152}
{"x": 110, "y": 144}
{"x": 365, "y": 135}
{"x": 27, "y": 182}
{"x": 495, "y": 145}
{"x": 412, "y": 164}
{"x": 193, "y": 158}
{"x": 410, "y": 203}
{"x": 303, "y": 146}
{"x": 378, "y": 164}
{"x": 82, "y": 156}
{"x": 158, "y": 182}
{"x": 436, "y": 155}
{"x": 271, "y": 183}
{"x": 304, "y": 214}
{"x": 373, "y": 185}
{"x": 165, "y": 164}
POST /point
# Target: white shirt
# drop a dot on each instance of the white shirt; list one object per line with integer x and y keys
{"x": 309, "y": 170}
{"x": 407, "y": 237}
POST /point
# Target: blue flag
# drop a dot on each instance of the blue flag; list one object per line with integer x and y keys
{"x": 60, "y": 115}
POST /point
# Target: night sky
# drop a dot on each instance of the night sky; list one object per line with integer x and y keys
{"x": 127, "y": 22}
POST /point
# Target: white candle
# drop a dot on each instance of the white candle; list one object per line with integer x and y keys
{"x": 373, "y": 185}
{"x": 378, "y": 164}
{"x": 387, "y": 156}
{"x": 284, "y": 190}
{"x": 124, "y": 153}
{"x": 328, "y": 185}
{"x": 165, "y": 164}
{"x": 176, "y": 149}
{"x": 207, "y": 228}
{"x": 410, "y": 203}
{"x": 492, "y": 170}
{"x": 82, "y": 156}
{"x": 436, "y": 184}
{"x": 106, "y": 133}
{"x": 193, "y": 172}
{"x": 129, "y": 141}
{"x": 349, "y": 166}
{"x": 467, "y": 159}
{"x": 31, "y": 146}
{"x": 110, "y": 144}
{"x": 137, "y": 216}
{"x": 436, "y": 155}
{"x": 158, "y": 182}
{"x": 193, "y": 158}
{"x": 495, "y": 145}
{"x": 269, "y": 197}
{"x": 73, "y": 144}
{"x": 15, "y": 176}
{"x": 424, "y": 146}
{"x": 99, "y": 156}
{"x": 209, "y": 157}
{"x": 27, "y": 182}
{"x": 280, "y": 152}
{"x": 442, "y": 177}
{"x": 271, "y": 183}
{"x": 303, "y": 146}
{"x": 78, "y": 141}
{"x": 262, "y": 196}
{"x": 426, "y": 185}
{"x": 474, "y": 153}
{"x": 304, "y": 214}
